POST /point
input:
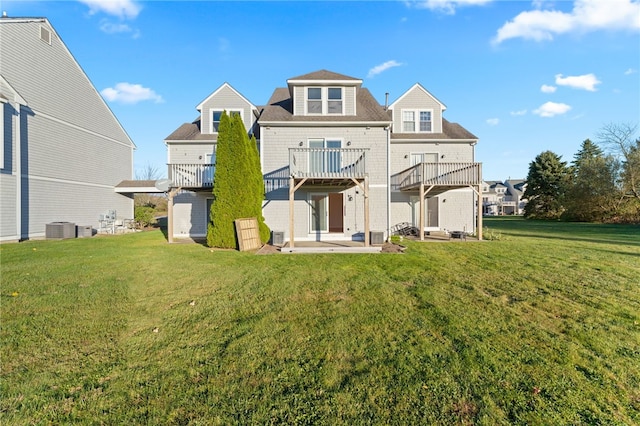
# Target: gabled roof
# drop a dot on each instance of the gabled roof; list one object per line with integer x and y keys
{"x": 65, "y": 77}
{"x": 324, "y": 76}
{"x": 450, "y": 131}
{"x": 280, "y": 109}
{"x": 215, "y": 92}
{"x": 190, "y": 132}
{"x": 417, "y": 86}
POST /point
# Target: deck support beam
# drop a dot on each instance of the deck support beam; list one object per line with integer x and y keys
{"x": 364, "y": 186}
{"x": 172, "y": 193}
{"x": 293, "y": 187}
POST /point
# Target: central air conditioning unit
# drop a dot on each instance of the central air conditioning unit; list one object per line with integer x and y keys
{"x": 60, "y": 230}
{"x": 376, "y": 237}
{"x": 277, "y": 238}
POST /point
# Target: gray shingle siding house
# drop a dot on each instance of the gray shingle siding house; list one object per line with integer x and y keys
{"x": 337, "y": 165}
{"x": 62, "y": 149}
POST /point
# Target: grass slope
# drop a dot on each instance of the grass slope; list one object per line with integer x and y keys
{"x": 539, "y": 327}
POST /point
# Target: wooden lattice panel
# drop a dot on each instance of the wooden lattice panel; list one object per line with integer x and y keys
{"x": 248, "y": 234}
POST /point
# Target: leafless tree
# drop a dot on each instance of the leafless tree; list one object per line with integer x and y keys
{"x": 622, "y": 141}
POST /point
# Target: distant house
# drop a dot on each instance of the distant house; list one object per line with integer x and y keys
{"x": 503, "y": 198}
{"x": 63, "y": 151}
{"x": 337, "y": 164}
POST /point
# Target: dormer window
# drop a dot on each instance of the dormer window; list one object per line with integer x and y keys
{"x": 324, "y": 100}
{"x": 314, "y": 100}
{"x": 425, "y": 121}
{"x": 217, "y": 114}
{"x": 417, "y": 121}
{"x": 335, "y": 100}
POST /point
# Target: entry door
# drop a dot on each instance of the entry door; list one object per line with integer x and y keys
{"x": 336, "y": 212}
{"x": 327, "y": 212}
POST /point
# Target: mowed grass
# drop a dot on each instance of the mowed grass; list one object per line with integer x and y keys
{"x": 539, "y": 327}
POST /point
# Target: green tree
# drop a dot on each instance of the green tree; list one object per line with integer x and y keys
{"x": 592, "y": 195}
{"x": 238, "y": 189}
{"x": 546, "y": 186}
{"x": 220, "y": 230}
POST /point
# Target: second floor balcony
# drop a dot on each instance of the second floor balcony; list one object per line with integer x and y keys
{"x": 328, "y": 163}
{"x": 191, "y": 175}
{"x": 440, "y": 176}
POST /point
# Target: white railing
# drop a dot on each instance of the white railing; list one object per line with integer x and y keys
{"x": 444, "y": 174}
{"x": 191, "y": 175}
{"x": 328, "y": 162}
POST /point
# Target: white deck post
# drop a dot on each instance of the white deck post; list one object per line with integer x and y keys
{"x": 421, "y": 220}
{"x": 367, "y": 225}
{"x": 292, "y": 192}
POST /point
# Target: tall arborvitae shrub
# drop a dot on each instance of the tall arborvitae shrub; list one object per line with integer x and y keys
{"x": 238, "y": 189}
{"x": 220, "y": 231}
{"x": 258, "y": 184}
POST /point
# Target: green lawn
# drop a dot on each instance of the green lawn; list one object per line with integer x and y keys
{"x": 540, "y": 326}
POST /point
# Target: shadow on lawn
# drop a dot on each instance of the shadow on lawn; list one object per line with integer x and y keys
{"x": 565, "y": 237}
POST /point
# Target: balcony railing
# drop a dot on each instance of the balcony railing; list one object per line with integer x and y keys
{"x": 328, "y": 162}
{"x": 438, "y": 174}
{"x": 192, "y": 175}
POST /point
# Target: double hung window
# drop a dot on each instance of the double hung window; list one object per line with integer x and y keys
{"x": 417, "y": 121}
{"x": 324, "y": 100}
{"x": 314, "y": 100}
{"x": 217, "y": 114}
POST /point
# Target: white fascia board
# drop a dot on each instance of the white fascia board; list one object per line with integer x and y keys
{"x": 198, "y": 141}
{"x": 325, "y": 82}
{"x": 325, "y": 123}
{"x": 420, "y": 87}
{"x": 442, "y": 141}
{"x": 14, "y": 96}
{"x": 215, "y": 92}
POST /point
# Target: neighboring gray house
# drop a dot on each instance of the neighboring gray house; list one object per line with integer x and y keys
{"x": 503, "y": 198}
{"x": 337, "y": 165}
{"x": 62, "y": 149}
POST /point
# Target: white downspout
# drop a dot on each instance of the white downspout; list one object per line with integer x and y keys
{"x": 18, "y": 163}
{"x": 388, "y": 182}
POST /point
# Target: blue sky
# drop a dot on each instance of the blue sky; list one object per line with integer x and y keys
{"x": 523, "y": 76}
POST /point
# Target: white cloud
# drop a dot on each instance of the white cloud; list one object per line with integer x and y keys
{"x": 585, "y": 82}
{"x": 111, "y": 28}
{"x": 383, "y": 67}
{"x": 124, "y": 9}
{"x": 493, "y": 121}
{"x": 518, "y": 113}
{"x": 128, "y": 93}
{"x": 586, "y": 16}
{"x": 551, "y": 109}
{"x": 548, "y": 89}
{"x": 446, "y": 6}
{"x": 630, "y": 71}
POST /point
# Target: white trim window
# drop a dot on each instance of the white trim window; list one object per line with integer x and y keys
{"x": 408, "y": 121}
{"x": 217, "y": 113}
{"x": 325, "y": 100}
{"x": 334, "y": 103}
{"x": 417, "y": 121}
{"x": 425, "y": 121}
{"x": 314, "y": 100}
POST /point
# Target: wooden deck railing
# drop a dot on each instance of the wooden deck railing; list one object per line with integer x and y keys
{"x": 328, "y": 162}
{"x": 191, "y": 175}
{"x": 442, "y": 174}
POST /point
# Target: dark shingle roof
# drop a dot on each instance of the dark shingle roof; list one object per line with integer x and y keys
{"x": 324, "y": 75}
{"x": 189, "y": 132}
{"x": 280, "y": 109}
{"x": 449, "y": 131}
